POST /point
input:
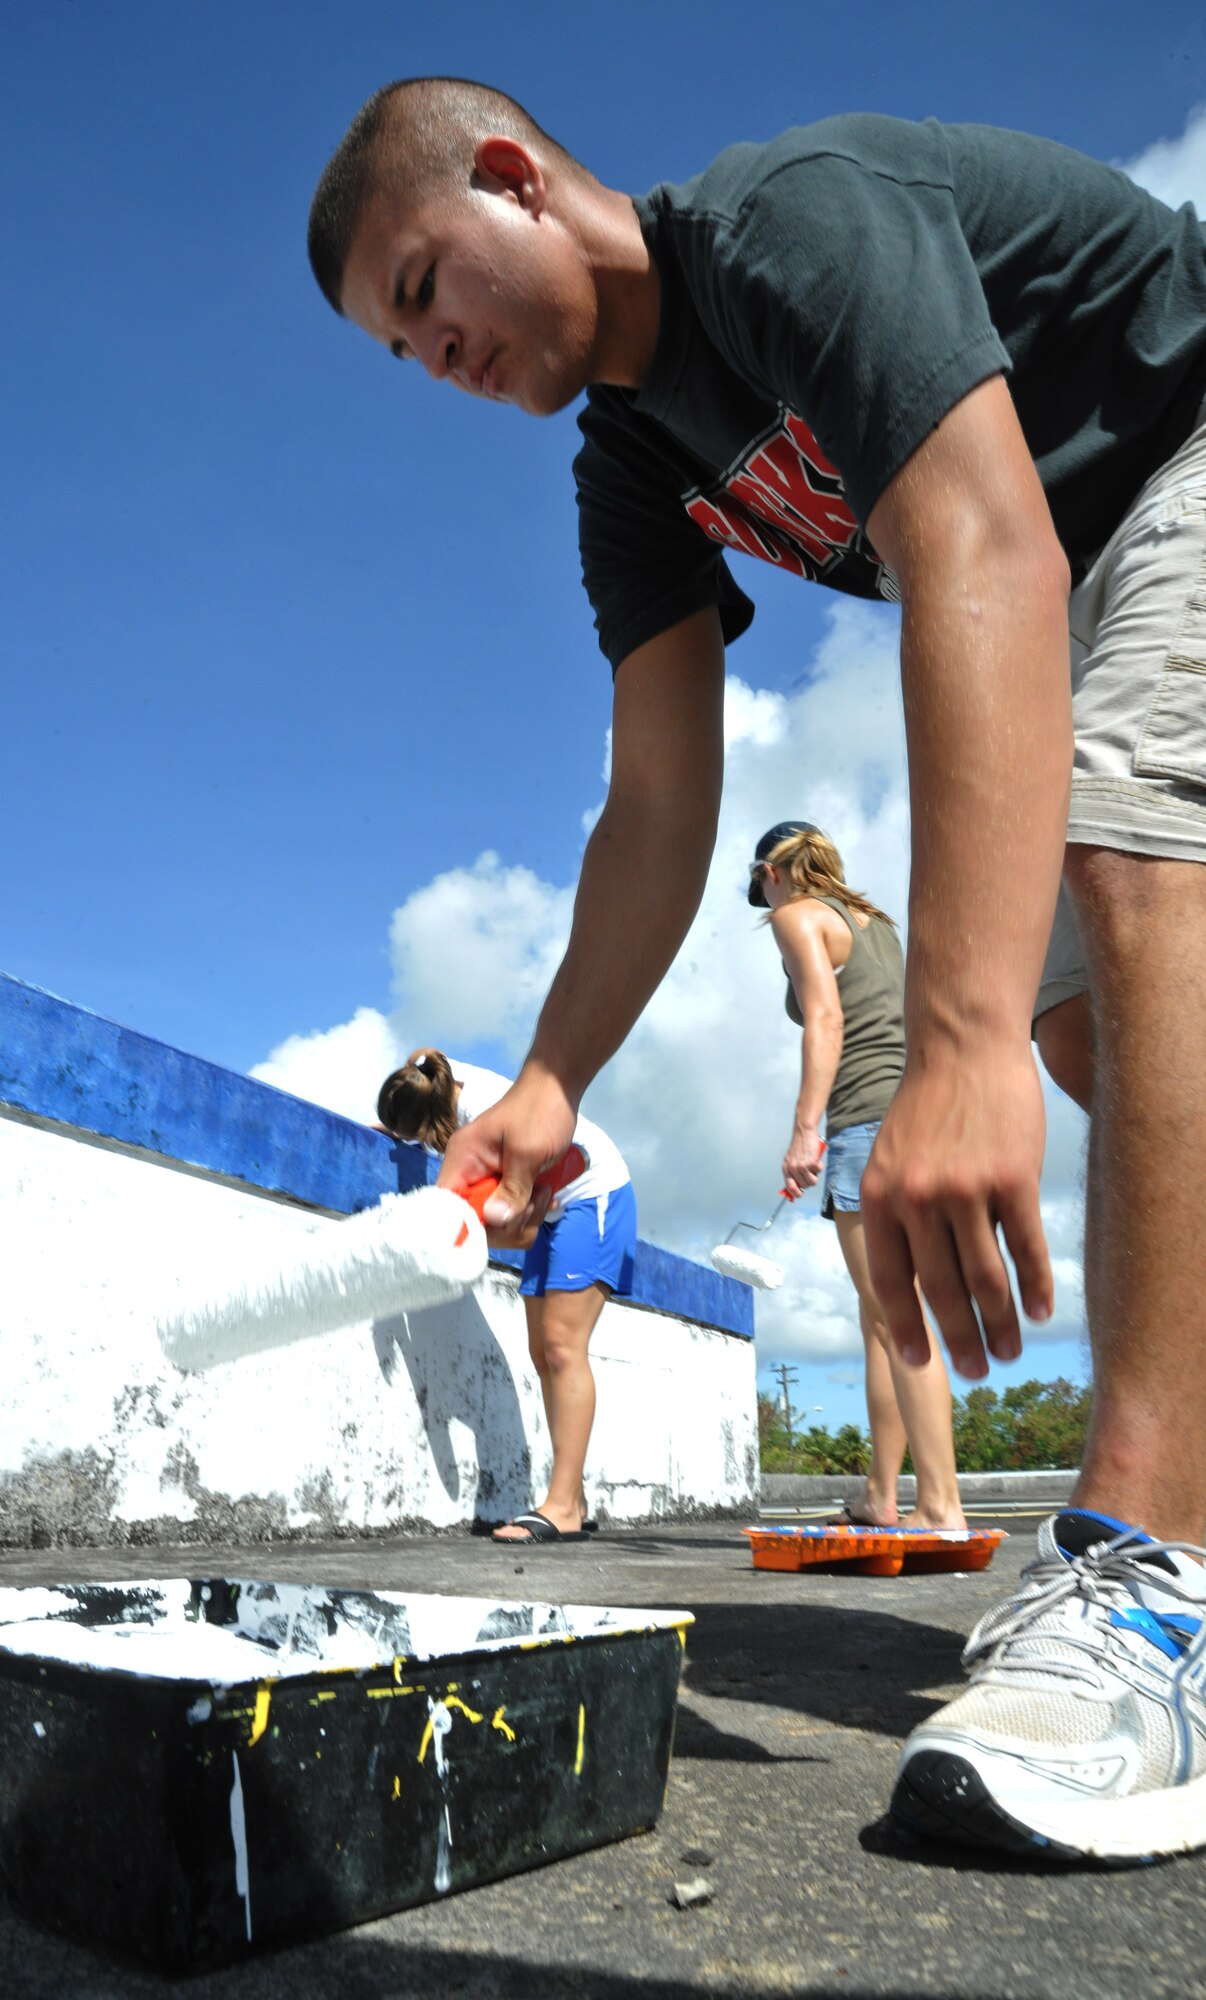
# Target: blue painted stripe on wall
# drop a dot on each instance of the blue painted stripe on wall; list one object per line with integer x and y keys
{"x": 60, "y": 1062}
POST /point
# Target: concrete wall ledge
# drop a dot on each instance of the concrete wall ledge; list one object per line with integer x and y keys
{"x": 68, "y": 1070}
{"x": 131, "y": 1173}
{"x": 799, "y": 1489}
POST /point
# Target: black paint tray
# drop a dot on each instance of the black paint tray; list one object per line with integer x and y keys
{"x": 190, "y": 1770}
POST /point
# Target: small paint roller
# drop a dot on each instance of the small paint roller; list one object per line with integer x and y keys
{"x": 410, "y": 1251}
{"x": 746, "y": 1265}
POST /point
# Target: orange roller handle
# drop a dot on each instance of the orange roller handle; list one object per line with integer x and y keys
{"x": 790, "y": 1194}
{"x": 572, "y": 1163}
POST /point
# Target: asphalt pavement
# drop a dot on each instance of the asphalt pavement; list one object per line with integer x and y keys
{"x": 797, "y": 1691}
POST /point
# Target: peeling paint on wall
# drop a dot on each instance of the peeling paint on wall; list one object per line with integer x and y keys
{"x": 127, "y": 1168}
{"x": 57, "y": 1497}
{"x": 427, "y": 1420}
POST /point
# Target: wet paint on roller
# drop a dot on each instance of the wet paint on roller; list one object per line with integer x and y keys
{"x": 373, "y": 1750}
{"x": 412, "y": 1251}
{"x": 747, "y": 1267}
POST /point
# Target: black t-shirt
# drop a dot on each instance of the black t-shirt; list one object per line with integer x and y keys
{"x": 826, "y": 299}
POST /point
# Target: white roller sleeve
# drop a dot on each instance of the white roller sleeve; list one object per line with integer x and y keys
{"x": 410, "y": 1251}
{"x": 748, "y": 1267}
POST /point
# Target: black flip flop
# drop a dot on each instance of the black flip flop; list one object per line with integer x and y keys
{"x": 848, "y": 1520}
{"x": 540, "y": 1529}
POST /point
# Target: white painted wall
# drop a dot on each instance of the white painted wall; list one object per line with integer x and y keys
{"x": 426, "y": 1420}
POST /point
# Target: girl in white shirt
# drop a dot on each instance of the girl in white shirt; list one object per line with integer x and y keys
{"x": 582, "y": 1253}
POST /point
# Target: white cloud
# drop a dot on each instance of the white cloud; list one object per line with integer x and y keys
{"x": 340, "y": 1068}
{"x": 1175, "y": 169}
{"x": 700, "y": 1096}
{"x": 475, "y": 950}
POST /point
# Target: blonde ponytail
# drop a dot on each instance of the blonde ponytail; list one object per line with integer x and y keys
{"x": 813, "y": 866}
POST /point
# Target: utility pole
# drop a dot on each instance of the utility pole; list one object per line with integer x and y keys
{"x": 787, "y": 1376}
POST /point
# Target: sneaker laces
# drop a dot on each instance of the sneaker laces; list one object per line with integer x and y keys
{"x": 1103, "y": 1578}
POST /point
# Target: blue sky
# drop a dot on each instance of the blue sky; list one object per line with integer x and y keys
{"x": 292, "y": 638}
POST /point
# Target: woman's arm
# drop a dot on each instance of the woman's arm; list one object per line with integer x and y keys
{"x": 799, "y": 932}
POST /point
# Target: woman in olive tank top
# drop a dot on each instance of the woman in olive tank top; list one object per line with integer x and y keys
{"x": 845, "y": 989}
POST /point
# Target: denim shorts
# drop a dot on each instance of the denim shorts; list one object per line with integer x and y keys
{"x": 846, "y": 1155}
{"x": 587, "y": 1242}
{"x": 1137, "y": 629}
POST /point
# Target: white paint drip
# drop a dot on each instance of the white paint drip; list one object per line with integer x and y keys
{"x": 238, "y": 1833}
{"x": 443, "y": 1873}
{"x": 441, "y": 1723}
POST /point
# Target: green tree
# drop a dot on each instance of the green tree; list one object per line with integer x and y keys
{"x": 814, "y": 1450}
{"x": 772, "y": 1436}
{"x": 1050, "y": 1420}
{"x": 983, "y": 1434}
{"x": 1033, "y": 1427}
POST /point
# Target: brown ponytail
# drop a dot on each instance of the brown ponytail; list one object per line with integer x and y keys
{"x": 418, "y": 1101}
{"x": 813, "y": 866}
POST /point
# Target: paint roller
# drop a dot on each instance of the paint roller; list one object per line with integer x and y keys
{"x": 408, "y": 1252}
{"x": 746, "y": 1265}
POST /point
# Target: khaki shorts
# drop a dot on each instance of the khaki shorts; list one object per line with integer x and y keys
{"x": 1137, "y": 628}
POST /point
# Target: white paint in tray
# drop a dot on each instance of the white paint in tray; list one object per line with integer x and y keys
{"x": 280, "y": 1629}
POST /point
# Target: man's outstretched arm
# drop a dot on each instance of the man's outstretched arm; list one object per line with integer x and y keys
{"x": 642, "y": 878}
{"x": 984, "y": 662}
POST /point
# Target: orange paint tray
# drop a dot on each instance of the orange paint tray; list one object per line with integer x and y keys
{"x": 874, "y": 1551}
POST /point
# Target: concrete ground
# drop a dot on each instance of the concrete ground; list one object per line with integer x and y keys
{"x": 797, "y": 1692}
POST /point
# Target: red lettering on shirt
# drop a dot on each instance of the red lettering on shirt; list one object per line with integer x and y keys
{"x": 732, "y": 526}
{"x": 785, "y": 485}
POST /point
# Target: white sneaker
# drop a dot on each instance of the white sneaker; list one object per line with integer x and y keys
{"x": 1084, "y": 1729}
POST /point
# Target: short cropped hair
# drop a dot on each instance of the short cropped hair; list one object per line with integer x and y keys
{"x": 411, "y": 138}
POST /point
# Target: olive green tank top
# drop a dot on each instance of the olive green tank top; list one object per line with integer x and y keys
{"x": 871, "y": 989}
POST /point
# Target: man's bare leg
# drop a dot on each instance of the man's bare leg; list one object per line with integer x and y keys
{"x": 1143, "y": 922}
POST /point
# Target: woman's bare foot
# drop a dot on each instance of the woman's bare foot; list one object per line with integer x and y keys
{"x": 872, "y": 1509}
{"x": 935, "y": 1517}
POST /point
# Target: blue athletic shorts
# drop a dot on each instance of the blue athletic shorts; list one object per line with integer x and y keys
{"x": 846, "y": 1155}
{"x": 589, "y": 1243}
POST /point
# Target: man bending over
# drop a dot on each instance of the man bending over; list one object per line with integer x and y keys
{"x": 965, "y": 368}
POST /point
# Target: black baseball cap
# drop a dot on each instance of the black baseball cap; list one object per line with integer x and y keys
{"x": 767, "y": 845}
